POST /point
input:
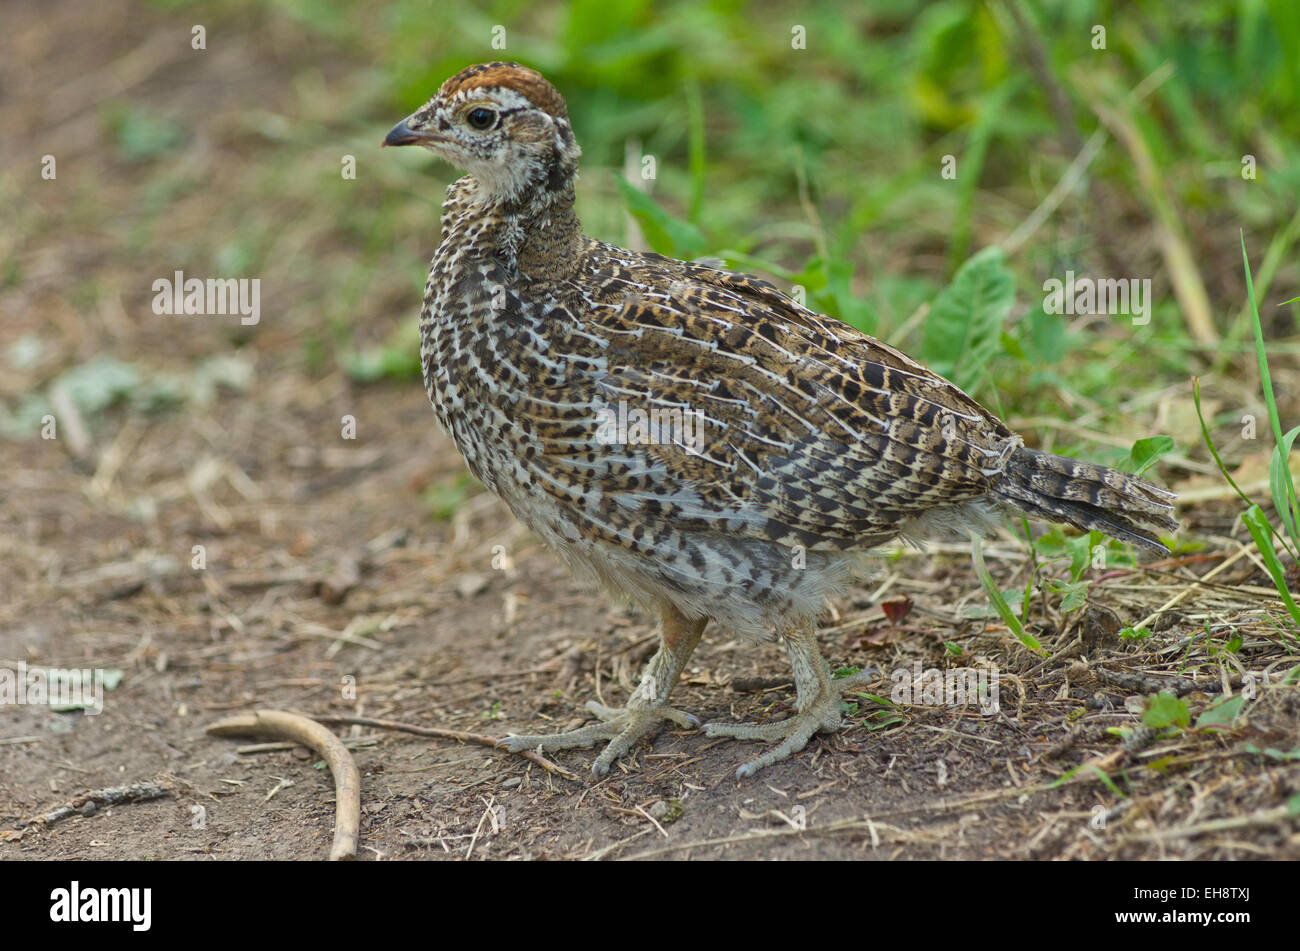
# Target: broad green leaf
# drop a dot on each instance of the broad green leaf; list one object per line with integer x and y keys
{"x": 1164, "y": 709}
{"x": 1047, "y": 334}
{"x": 964, "y": 326}
{"x": 1145, "y": 453}
{"x": 1223, "y": 712}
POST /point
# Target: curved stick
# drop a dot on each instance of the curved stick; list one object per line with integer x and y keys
{"x": 347, "y": 781}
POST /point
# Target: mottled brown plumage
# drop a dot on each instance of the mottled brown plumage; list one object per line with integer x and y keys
{"x": 691, "y": 436}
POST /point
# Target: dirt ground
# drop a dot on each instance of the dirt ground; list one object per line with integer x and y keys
{"x": 433, "y": 635}
{"x": 328, "y": 587}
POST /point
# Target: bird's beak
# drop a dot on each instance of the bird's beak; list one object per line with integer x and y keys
{"x": 403, "y": 134}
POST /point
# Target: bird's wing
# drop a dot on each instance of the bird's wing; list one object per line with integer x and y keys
{"x": 761, "y": 418}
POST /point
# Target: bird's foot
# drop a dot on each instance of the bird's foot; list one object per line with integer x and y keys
{"x": 621, "y": 726}
{"x": 821, "y": 715}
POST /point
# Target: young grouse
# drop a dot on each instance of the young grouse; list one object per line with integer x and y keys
{"x": 690, "y": 436}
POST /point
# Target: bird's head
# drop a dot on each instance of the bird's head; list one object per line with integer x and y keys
{"x": 502, "y": 123}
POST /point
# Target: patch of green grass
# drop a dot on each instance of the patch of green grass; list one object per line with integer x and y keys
{"x": 445, "y": 498}
{"x": 141, "y": 136}
{"x": 396, "y": 359}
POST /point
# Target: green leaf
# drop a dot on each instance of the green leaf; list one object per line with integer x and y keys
{"x": 873, "y": 698}
{"x": 379, "y": 363}
{"x": 397, "y": 358}
{"x": 141, "y": 137}
{"x": 1047, "y": 334}
{"x": 1273, "y": 753}
{"x": 1163, "y": 710}
{"x": 666, "y": 233}
{"x": 881, "y": 719}
{"x": 964, "y": 326}
{"x": 851, "y": 309}
{"x": 1223, "y": 712}
{"x": 98, "y": 383}
{"x": 1145, "y": 453}
{"x": 445, "y": 498}
{"x": 1079, "y": 548}
{"x": 1075, "y": 592}
{"x": 1013, "y": 348}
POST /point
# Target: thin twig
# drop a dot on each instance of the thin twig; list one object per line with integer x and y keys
{"x": 458, "y": 735}
{"x": 98, "y": 798}
{"x": 1182, "y": 595}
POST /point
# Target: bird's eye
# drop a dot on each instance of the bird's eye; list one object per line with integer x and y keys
{"x": 480, "y": 118}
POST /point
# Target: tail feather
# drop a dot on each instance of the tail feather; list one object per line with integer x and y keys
{"x": 1087, "y": 496}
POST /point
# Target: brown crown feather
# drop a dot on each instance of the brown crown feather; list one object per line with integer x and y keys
{"x": 527, "y": 82}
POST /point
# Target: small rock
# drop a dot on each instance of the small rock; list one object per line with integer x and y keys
{"x": 666, "y": 811}
{"x": 467, "y": 586}
{"x": 1100, "y": 628}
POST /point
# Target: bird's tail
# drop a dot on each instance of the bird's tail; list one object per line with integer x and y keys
{"x": 1087, "y": 496}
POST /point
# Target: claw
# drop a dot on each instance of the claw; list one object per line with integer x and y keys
{"x": 621, "y": 726}
{"x": 819, "y": 707}
{"x": 647, "y": 708}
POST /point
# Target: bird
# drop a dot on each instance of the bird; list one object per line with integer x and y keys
{"x": 690, "y": 437}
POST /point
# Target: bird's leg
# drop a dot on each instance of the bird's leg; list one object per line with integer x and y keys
{"x": 646, "y": 708}
{"x": 817, "y": 700}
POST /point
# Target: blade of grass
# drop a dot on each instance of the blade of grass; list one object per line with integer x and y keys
{"x": 1223, "y": 469}
{"x": 972, "y": 164}
{"x": 1273, "y": 257}
{"x": 1259, "y": 527}
{"x": 1284, "y": 497}
{"x": 695, "y": 127}
{"x": 999, "y": 602}
{"x": 1189, "y": 288}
